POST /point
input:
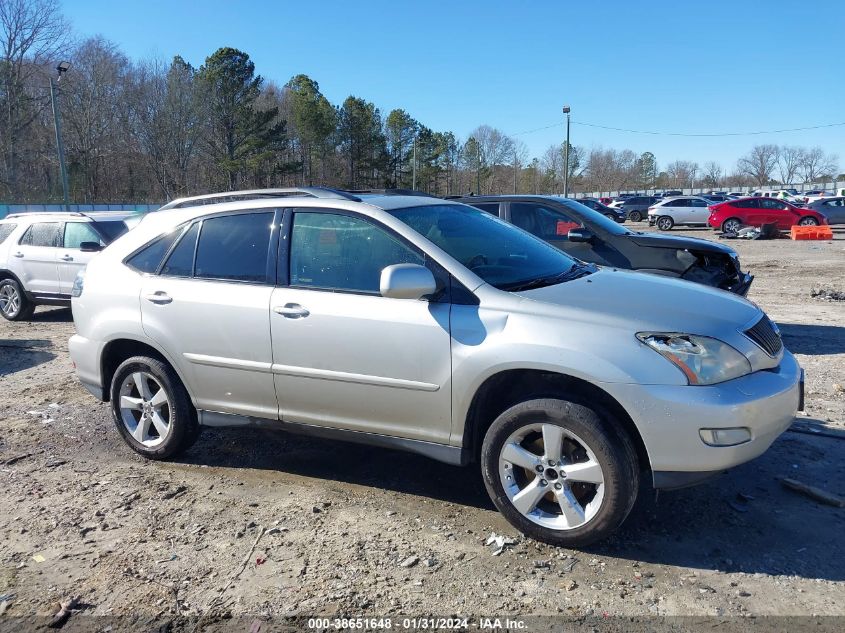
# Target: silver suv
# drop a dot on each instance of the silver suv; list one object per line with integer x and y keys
{"x": 419, "y": 324}
{"x": 41, "y": 254}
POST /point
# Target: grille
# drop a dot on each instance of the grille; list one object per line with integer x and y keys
{"x": 766, "y": 335}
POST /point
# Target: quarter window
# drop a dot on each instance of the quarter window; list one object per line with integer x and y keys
{"x": 235, "y": 247}
{"x": 43, "y": 234}
{"x": 78, "y": 232}
{"x": 181, "y": 260}
{"x": 148, "y": 259}
{"x": 339, "y": 252}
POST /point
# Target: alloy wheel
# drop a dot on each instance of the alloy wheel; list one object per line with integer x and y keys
{"x": 808, "y": 222}
{"x": 145, "y": 408}
{"x": 10, "y": 300}
{"x": 664, "y": 223}
{"x": 731, "y": 226}
{"x": 551, "y": 476}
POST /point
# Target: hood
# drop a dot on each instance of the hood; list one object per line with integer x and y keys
{"x": 643, "y": 302}
{"x": 657, "y": 240}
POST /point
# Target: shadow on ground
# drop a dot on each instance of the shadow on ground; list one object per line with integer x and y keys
{"x": 742, "y": 521}
{"x": 17, "y": 355}
{"x": 52, "y": 315}
{"x": 813, "y": 339}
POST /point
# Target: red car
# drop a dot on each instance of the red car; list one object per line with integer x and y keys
{"x": 732, "y": 215}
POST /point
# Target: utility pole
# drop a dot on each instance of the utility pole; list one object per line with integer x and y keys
{"x": 414, "y": 177}
{"x": 566, "y": 109}
{"x": 57, "y": 121}
{"x": 514, "y": 170}
{"x": 477, "y": 169}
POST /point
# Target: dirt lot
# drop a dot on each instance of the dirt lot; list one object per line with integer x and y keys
{"x": 264, "y": 523}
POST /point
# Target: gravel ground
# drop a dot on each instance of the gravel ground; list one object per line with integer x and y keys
{"x": 257, "y": 523}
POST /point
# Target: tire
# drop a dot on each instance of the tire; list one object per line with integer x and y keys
{"x": 598, "y": 440}
{"x": 665, "y": 223}
{"x": 808, "y": 220}
{"x": 635, "y": 216}
{"x": 176, "y": 428}
{"x": 731, "y": 225}
{"x": 610, "y": 217}
{"x": 14, "y": 304}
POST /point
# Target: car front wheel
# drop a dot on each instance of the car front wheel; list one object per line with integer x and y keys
{"x": 665, "y": 223}
{"x": 559, "y": 472}
{"x": 151, "y": 408}
{"x": 14, "y": 306}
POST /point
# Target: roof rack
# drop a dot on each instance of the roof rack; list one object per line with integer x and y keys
{"x": 23, "y": 214}
{"x": 257, "y": 194}
{"x": 392, "y": 192}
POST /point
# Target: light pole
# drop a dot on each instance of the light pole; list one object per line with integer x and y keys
{"x": 62, "y": 68}
{"x": 566, "y": 109}
{"x": 414, "y": 178}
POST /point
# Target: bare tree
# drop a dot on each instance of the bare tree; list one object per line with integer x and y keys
{"x": 682, "y": 173}
{"x": 32, "y": 33}
{"x": 759, "y": 163}
{"x": 712, "y": 174}
{"x": 817, "y": 165}
{"x": 789, "y": 163}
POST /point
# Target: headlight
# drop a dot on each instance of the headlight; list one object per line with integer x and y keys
{"x": 704, "y": 360}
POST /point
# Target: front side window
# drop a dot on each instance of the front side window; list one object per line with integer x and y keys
{"x": 235, "y": 247}
{"x": 78, "y": 232}
{"x": 6, "y": 231}
{"x": 339, "y": 252}
{"x": 43, "y": 234}
{"x": 496, "y": 251}
{"x": 542, "y": 221}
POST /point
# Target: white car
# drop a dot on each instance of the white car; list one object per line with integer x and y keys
{"x": 780, "y": 194}
{"x": 679, "y": 210}
{"x": 41, "y": 254}
{"x": 838, "y": 193}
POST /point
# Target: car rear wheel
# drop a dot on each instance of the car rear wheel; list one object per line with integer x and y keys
{"x": 635, "y": 216}
{"x": 665, "y": 223}
{"x": 808, "y": 221}
{"x": 151, "y": 408}
{"x": 559, "y": 472}
{"x": 14, "y": 306}
{"x": 610, "y": 216}
{"x": 731, "y": 225}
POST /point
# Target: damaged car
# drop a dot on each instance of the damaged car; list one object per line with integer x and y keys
{"x": 591, "y": 237}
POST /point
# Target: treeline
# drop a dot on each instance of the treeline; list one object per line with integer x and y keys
{"x": 152, "y": 131}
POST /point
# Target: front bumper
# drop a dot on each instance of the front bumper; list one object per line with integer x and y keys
{"x": 669, "y": 418}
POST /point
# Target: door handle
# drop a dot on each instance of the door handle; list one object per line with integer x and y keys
{"x": 291, "y": 311}
{"x": 18, "y": 254}
{"x": 158, "y": 297}
{"x": 67, "y": 258}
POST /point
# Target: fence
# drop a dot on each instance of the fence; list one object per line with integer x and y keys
{"x": 834, "y": 186}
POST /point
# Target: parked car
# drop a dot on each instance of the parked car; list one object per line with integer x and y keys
{"x": 417, "y": 323}
{"x": 737, "y": 194}
{"x": 41, "y": 253}
{"x": 818, "y": 195}
{"x": 688, "y": 210}
{"x": 636, "y": 208}
{"x": 589, "y": 236}
{"x": 831, "y": 208}
{"x": 732, "y": 216}
{"x": 715, "y": 197}
{"x": 779, "y": 194}
{"x": 617, "y": 215}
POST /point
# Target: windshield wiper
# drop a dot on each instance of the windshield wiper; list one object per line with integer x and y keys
{"x": 576, "y": 271}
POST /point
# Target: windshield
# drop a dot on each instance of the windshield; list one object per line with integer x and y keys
{"x": 594, "y": 217}
{"x": 500, "y": 253}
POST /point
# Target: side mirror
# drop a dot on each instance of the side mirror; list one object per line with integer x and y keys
{"x": 90, "y": 247}
{"x": 407, "y": 281}
{"x": 580, "y": 235}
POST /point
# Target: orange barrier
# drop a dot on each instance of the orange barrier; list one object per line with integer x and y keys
{"x": 811, "y": 233}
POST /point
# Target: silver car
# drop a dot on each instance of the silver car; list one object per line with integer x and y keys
{"x": 832, "y": 208}
{"x": 420, "y": 324}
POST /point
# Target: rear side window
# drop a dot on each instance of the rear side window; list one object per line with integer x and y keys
{"x": 181, "y": 260}
{"x": 78, "y": 232}
{"x": 43, "y": 234}
{"x": 148, "y": 259}
{"x": 6, "y": 231}
{"x": 235, "y": 247}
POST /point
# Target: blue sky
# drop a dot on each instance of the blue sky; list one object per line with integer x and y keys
{"x": 677, "y": 66}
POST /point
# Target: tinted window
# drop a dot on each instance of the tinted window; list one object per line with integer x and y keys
{"x": 6, "y": 231}
{"x": 698, "y": 203}
{"x": 683, "y": 202}
{"x": 593, "y": 218}
{"x": 235, "y": 247}
{"x": 339, "y": 252}
{"x": 111, "y": 229}
{"x": 42, "y": 234}
{"x": 148, "y": 259}
{"x": 492, "y": 208}
{"x": 751, "y": 203}
{"x": 493, "y": 249}
{"x": 542, "y": 221}
{"x": 181, "y": 260}
{"x": 78, "y": 232}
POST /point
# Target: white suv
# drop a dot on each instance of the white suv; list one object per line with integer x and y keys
{"x": 689, "y": 210}
{"x": 431, "y": 326}
{"x": 41, "y": 254}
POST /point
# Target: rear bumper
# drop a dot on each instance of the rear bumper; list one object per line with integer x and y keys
{"x": 85, "y": 355}
{"x": 670, "y": 418}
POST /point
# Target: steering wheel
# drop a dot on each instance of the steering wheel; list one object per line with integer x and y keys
{"x": 476, "y": 261}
